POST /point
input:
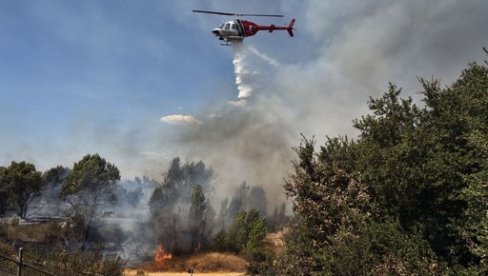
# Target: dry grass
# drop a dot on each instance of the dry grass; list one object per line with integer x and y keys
{"x": 27, "y": 232}
{"x": 274, "y": 242}
{"x": 132, "y": 272}
{"x": 206, "y": 262}
{"x": 215, "y": 262}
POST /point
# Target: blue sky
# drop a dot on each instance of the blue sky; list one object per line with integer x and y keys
{"x": 62, "y": 60}
{"x": 80, "y": 77}
{"x": 69, "y": 65}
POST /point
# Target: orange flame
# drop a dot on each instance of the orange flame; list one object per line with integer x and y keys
{"x": 161, "y": 255}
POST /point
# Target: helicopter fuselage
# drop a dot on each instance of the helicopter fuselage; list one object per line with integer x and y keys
{"x": 237, "y": 30}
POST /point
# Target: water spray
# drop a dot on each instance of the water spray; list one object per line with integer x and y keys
{"x": 242, "y": 73}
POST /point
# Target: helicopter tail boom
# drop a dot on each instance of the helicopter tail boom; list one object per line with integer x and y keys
{"x": 271, "y": 28}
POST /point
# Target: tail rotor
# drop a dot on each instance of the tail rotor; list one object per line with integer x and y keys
{"x": 290, "y": 27}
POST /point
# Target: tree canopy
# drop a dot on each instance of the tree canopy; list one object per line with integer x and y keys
{"x": 180, "y": 216}
{"x": 91, "y": 175}
{"x": 88, "y": 186}
{"x": 21, "y": 182}
{"x": 409, "y": 195}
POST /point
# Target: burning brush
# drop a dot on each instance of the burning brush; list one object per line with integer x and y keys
{"x": 161, "y": 256}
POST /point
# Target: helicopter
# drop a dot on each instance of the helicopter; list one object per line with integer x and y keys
{"x": 237, "y": 29}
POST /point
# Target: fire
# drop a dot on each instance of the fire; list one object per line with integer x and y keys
{"x": 161, "y": 255}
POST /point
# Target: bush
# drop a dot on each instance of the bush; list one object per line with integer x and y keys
{"x": 82, "y": 263}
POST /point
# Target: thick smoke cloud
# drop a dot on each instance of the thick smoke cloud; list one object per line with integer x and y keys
{"x": 243, "y": 144}
{"x": 355, "y": 48}
{"x": 315, "y": 83}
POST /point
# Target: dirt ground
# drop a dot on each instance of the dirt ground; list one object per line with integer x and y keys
{"x": 131, "y": 272}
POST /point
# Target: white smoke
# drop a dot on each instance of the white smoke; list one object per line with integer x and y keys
{"x": 238, "y": 103}
{"x": 248, "y": 78}
{"x": 265, "y": 57}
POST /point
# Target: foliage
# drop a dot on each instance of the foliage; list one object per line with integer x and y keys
{"x": 89, "y": 185}
{"x": 78, "y": 263}
{"x": 257, "y": 199}
{"x": 178, "y": 185}
{"x": 196, "y": 217}
{"x": 181, "y": 228}
{"x": 68, "y": 263}
{"x": 4, "y": 204}
{"x": 20, "y": 183}
{"x": 246, "y": 197}
{"x": 331, "y": 202}
{"x": 48, "y": 203}
{"x": 260, "y": 260}
{"x": 278, "y": 219}
{"x": 245, "y": 236}
{"x": 92, "y": 175}
{"x": 408, "y": 196}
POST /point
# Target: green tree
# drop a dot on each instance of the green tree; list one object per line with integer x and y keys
{"x": 408, "y": 196}
{"x": 239, "y": 233}
{"x": 331, "y": 204}
{"x": 427, "y": 167}
{"x": 260, "y": 261}
{"x": 21, "y": 183}
{"x": 88, "y": 186}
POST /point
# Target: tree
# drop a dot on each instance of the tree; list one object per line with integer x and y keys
{"x": 331, "y": 203}
{"x": 49, "y": 201}
{"x": 88, "y": 186}
{"x": 196, "y": 217}
{"x": 279, "y": 219}
{"x": 239, "y": 233}
{"x": 427, "y": 167}
{"x": 223, "y": 214}
{"x": 408, "y": 196}
{"x": 3, "y": 193}
{"x": 169, "y": 206}
{"x": 21, "y": 183}
{"x": 257, "y": 199}
{"x": 246, "y": 236}
{"x": 260, "y": 261}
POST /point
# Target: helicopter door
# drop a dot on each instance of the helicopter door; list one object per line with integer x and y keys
{"x": 227, "y": 28}
{"x": 234, "y": 29}
{"x": 239, "y": 28}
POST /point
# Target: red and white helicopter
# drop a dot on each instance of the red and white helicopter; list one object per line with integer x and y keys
{"x": 236, "y": 30}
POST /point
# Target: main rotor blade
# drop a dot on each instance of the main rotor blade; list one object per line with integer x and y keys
{"x": 238, "y": 14}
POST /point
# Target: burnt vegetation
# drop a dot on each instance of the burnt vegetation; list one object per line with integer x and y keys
{"x": 408, "y": 196}
{"x": 87, "y": 212}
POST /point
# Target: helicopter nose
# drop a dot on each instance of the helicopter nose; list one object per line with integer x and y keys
{"x": 216, "y": 31}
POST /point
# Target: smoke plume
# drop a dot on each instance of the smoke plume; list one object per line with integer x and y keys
{"x": 315, "y": 83}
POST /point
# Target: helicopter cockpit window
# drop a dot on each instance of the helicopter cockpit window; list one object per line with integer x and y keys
{"x": 227, "y": 26}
